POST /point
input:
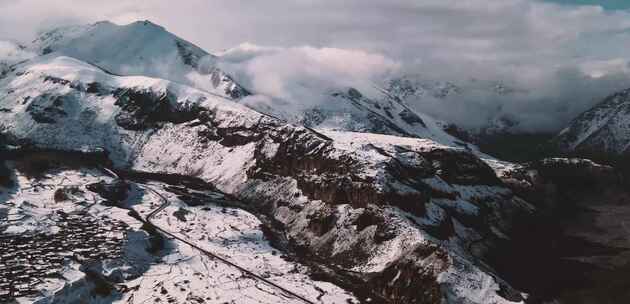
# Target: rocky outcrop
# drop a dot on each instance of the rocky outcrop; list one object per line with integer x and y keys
{"x": 115, "y": 191}
{"x": 142, "y": 109}
{"x": 47, "y": 109}
{"x": 396, "y": 283}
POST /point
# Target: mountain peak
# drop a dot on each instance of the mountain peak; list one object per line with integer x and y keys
{"x": 147, "y": 23}
{"x": 139, "y": 48}
{"x": 103, "y": 22}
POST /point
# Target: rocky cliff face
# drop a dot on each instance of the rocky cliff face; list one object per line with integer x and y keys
{"x": 411, "y": 219}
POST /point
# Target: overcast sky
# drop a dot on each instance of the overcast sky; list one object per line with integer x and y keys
{"x": 555, "y": 48}
{"x": 607, "y": 4}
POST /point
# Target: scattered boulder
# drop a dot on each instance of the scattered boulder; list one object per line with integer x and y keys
{"x": 65, "y": 193}
{"x": 116, "y": 191}
{"x": 181, "y": 214}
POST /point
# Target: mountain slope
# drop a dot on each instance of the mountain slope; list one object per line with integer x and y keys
{"x": 400, "y": 106}
{"x": 433, "y": 96}
{"x": 140, "y": 48}
{"x": 387, "y": 216}
{"x": 143, "y": 48}
{"x": 349, "y": 110}
{"x": 409, "y": 87}
{"x": 604, "y": 129}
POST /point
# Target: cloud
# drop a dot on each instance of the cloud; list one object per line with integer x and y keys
{"x": 12, "y": 53}
{"x": 544, "y": 106}
{"x": 554, "y": 52}
{"x": 304, "y": 74}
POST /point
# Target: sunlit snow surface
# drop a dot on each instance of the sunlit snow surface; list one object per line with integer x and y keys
{"x": 139, "y": 48}
{"x": 178, "y": 274}
{"x": 235, "y": 235}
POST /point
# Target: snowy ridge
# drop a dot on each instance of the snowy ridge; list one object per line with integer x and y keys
{"x": 349, "y": 110}
{"x": 145, "y": 49}
{"x": 409, "y": 87}
{"x": 55, "y": 78}
{"x": 140, "y": 48}
{"x": 601, "y": 130}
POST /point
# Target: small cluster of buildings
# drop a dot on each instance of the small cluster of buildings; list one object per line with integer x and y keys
{"x": 25, "y": 260}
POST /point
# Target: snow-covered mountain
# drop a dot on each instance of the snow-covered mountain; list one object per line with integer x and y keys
{"x": 350, "y": 110}
{"x": 144, "y": 48}
{"x": 409, "y": 87}
{"x": 604, "y": 129}
{"x": 388, "y": 218}
{"x": 420, "y": 92}
{"x": 122, "y": 182}
{"x": 140, "y": 48}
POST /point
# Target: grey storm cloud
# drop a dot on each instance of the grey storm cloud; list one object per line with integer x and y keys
{"x": 563, "y": 57}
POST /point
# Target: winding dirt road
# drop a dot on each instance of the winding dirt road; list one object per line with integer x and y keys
{"x": 166, "y": 203}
